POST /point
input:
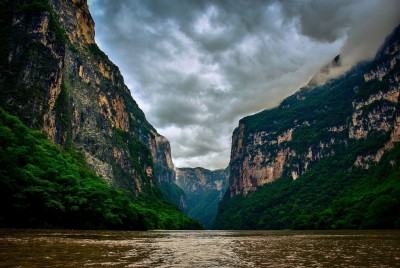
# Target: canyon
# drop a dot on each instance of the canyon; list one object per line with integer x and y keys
{"x": 56, "y": 80}
{"x": 265, "y": 148}
{"x": 204, "y": 189}
{"x": 327, "y": 151}
{"x": 312, "y": 161}
{"x": 67, "y": 87}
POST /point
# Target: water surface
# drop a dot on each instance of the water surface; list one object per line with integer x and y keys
{"x": 54, "y": 248}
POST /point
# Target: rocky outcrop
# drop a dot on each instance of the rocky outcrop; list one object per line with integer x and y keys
{"x": 320, "y": 121}
{"x": 204, "y": 189}
{"x": 33, "y": 44}
{"x": 199, "y": 180}
{"x": 370, "y": 115}
{"x": 56, "y": 79}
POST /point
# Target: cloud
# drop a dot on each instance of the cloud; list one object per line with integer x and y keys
{"x": 364, "y": 24}
{"x": 197, "y": 67}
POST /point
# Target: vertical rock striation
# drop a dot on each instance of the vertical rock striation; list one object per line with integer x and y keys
{"x": 318, "y": 121}
{"x": 326, "y": 158}
{"x": 55, "y": 78}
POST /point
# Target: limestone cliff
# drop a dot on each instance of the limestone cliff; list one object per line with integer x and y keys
{"x": 56, "y": 79}
{"x": 320, "y": 122}
{"x": 204, "y": 189}
{"x": 326, "y": 158}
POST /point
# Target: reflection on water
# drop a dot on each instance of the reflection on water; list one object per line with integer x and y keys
{"x": 49, "y": 248}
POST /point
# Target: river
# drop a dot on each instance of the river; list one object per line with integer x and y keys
{"x": 63, "y": 248}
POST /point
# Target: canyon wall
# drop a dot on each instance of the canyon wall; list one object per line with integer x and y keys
{"x": 317, "y": 122}
{"x": 326, "y": 158}
{"x": 56, "y": 79}
{"x": 203, "y": 189}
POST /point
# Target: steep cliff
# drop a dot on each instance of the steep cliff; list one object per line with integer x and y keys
{"x": 307, "y": 126}
{"x": 56, "y": 79}
{"x": 204, "y": 189}
{"x": 352, "y": 120}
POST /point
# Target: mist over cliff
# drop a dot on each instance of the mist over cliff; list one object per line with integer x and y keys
{"x": 326, "y": 158}
{"x": 197, "y": 67}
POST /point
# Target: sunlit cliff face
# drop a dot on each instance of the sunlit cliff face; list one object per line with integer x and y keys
{"x": 197, "y": 67}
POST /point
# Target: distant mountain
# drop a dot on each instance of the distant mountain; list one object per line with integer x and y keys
{"x": 55, "y": 79}
{"x": 327, "y": 157}
{"x": 203, "y": 189}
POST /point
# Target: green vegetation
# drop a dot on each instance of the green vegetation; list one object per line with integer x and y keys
{"x": 333, "y": 195}
{"x": 172, "y": 193}
{"x": 62, "y": 103}
{"x": 204, "y": 189}
{"x": 40, "y": 184}
{"x": 204, "y": 207}
{"x": 22, "y": 51}
{"x": 327, "y": 105}
{"x": 96, "y": 51}
{"x": 63, "y": 113}
{"x": 138, "y": 151}
{"x": 32, "y": 8}
{"x": 43, "y": 186}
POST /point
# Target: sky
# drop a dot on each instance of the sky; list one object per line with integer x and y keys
{"x": 197, "y": 67}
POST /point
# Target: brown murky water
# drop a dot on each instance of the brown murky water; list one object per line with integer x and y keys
{"x": 54, "y": 248}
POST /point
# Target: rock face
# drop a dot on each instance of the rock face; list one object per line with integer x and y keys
{"x": 317, "y": 122}
{"x": 204, "y": 189}
{"x": 55, "y": 78}
{"x": 326, "y": 158}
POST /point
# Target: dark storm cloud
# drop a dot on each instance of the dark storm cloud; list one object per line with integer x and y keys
{"x": 197, "y": 67}
{"x": 322, "y": 20}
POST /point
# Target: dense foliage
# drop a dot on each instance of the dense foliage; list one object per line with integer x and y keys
{"x": 323, "y": 106}
{"x": 43, "y": 186}
{"x": 330, "y": 196}
{"x": 173, "y": 194}
{"x": 203, "y": 189}
{"x": 334, "y": 192}
{"x": 204, "y": 207}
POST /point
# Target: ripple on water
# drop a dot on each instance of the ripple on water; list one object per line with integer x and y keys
{"x": 43, "y": 248}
